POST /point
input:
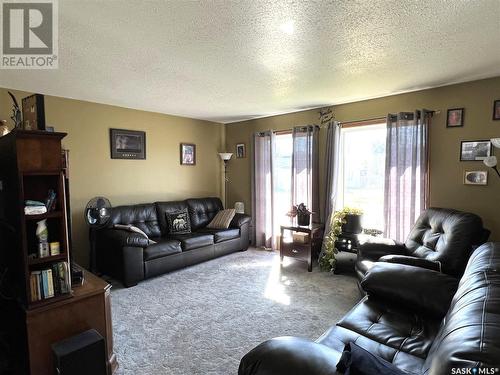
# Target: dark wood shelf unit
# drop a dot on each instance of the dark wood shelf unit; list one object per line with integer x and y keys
{"x": 30, "y": 165}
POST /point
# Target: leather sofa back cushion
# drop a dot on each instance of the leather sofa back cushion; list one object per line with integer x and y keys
{"x": 470, "y": 331}
{"x": 142, "y": 216}
{"x": 162, "y": 208}
{"x": 202, "y": 211}
{"x": 447, "y": 236}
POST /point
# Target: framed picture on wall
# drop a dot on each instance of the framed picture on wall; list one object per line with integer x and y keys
{"x": 241, "y": 150}
{"x": 188, "y": 154}
{"x": 496, "y": 110}
{"x": 475, "y": 150}
{"x": 455, "y": 118}
{"x": 476, "y": 177}
{"x": 127, "y": 144}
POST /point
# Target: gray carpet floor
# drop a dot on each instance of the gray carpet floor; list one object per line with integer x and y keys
{"x": 204, "y": 318}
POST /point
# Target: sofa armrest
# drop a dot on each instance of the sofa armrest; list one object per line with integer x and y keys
{"x": 239, "y": 220}
{"x": 374, "y": 248}
{"x": 290, "y": 355}
{"x": 433, "y": 265}
{"x": 424, "y": 290}
{"x": 122, "y": 238}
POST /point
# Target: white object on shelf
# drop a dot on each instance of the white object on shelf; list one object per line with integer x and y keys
{"x": 239, "y": 207}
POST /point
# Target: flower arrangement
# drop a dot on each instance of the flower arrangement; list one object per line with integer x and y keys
{"x": 327, "y": 261}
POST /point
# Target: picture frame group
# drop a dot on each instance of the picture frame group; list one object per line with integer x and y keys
{"x": 475, "y": 150}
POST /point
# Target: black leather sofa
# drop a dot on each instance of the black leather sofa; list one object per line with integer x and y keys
{"x": 421, "y": 321}
{"x": 130, "y": 257}
{"x": 441, "y": 239}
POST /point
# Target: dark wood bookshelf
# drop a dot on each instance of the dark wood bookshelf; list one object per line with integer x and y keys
{"x": 31, "y": 165}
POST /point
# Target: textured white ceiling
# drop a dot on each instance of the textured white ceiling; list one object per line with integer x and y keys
{"x": 228, "y": 61}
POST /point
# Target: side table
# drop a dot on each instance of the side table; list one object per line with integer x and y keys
{"x": 301, "y": 251}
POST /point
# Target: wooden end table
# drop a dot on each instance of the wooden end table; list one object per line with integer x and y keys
{"x": 301, "y": 251}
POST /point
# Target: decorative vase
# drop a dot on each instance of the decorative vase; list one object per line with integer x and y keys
{"x": 303, "y": 220}
{"x": 352, "y": 224}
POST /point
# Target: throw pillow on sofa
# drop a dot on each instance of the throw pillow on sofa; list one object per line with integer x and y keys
{"x": 222, "y": 219}
{"x": 178, "y": 222}
{"x": 131, "y": 228}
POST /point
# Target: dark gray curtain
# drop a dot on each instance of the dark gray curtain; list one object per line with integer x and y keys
{"x": 305, "y": 168}
{"x": 263, "y": 190}
{"x": 406, "y": 171}
{"x": 332, "y": 157}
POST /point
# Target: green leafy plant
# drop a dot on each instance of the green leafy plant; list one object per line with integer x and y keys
{"x": 327, "y": 260}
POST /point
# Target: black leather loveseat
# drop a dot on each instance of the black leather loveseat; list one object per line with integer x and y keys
{"x": 419, "y": 320}
{"x": 131, "y": 257}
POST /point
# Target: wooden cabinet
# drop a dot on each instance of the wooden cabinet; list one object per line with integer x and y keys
{"x": 90, "y": 307}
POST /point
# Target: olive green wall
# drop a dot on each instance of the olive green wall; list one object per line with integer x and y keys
{"x": 446, "y": 171}
{"x": 159, "y": 177}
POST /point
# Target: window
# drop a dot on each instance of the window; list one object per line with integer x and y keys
{"x": 362, "y": 172}
{"x": 283, "y": 177}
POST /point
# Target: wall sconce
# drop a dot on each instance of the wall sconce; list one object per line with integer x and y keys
{"x": 491, "y": 161}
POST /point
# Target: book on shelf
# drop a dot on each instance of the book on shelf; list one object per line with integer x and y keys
{"x": 50, "y": 282}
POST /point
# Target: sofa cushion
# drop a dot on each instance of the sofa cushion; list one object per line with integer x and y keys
{"x": 162, "y": 248}
{"x": 142, "y": 216}
{"x": 178, "y": 222}
{"x": 202, "y": 211}
{"x": 163, "y": 208}
{"x": 192, "y": 241}
{"x": 221, "y": 235}
{"x": 337, "y": 337}
{"x": 394, "y": 327}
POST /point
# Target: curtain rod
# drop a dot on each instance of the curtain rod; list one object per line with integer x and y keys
{"x": 434, "y": 112}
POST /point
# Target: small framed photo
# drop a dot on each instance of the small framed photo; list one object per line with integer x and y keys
{"x": 496, "y": 110}
{"x": 475, "y": 150}
{"x": 241, "y": 150}
{"x": 127, "y": 144}
{"x": 455, "y": 118}
{"x": 188, "y": 154}
{"x": 476, "y": 178}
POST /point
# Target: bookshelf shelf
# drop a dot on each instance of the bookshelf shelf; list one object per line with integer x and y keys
{"x": 48, "y": 301}
{"x": 48, "y": 215}
{"x": 49, "y": 259}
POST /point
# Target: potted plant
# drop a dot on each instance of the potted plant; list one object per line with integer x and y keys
{"x": 302, "y": 213}
{"x": 339, "y": 222}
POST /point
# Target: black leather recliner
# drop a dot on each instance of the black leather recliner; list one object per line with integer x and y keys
{"x": 442, "y": 239}
{"x": 130, "y": 257}
{"x": 431, "y": 323}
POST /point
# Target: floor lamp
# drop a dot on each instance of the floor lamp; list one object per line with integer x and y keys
{"x": 225, "y": 157}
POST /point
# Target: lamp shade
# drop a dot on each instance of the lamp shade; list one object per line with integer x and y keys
{"x": 495, "y": 142}
{"x": 225, "y": 155}
{"x": 490, "y": 161}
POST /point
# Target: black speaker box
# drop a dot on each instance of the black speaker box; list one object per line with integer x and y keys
{"x": 83, "y": 354}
